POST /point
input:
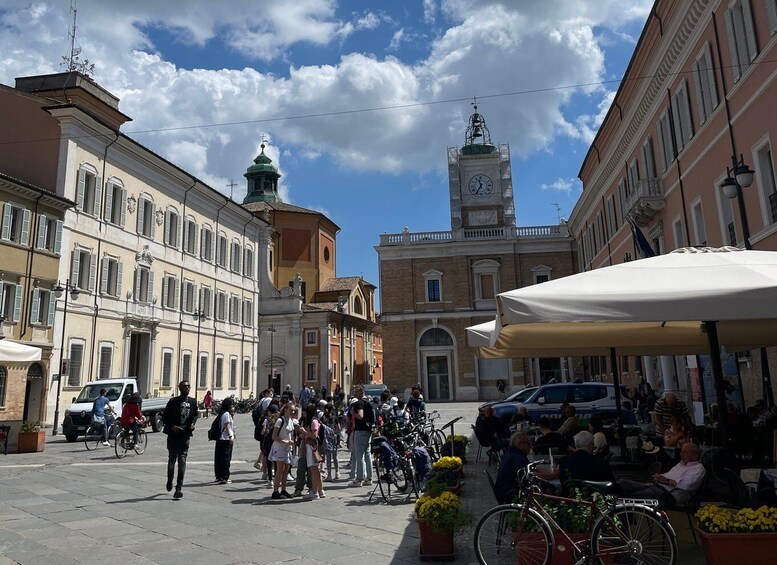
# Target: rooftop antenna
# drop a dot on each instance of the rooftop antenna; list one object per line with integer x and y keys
{"x": 72, "y": 61}
{"x": 231, "y": 185}
{"x": 558, "y": 210}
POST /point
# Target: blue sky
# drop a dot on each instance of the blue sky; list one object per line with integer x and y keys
{"x": 176, "y": 64}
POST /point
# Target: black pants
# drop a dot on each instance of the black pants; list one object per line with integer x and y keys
{"x": 303, "y": 477}
{"x": 222, "y": 459}
{"x": 177, "y": 451}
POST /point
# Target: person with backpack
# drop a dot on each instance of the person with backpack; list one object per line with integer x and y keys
{"x": 329, "y": 432}
{"x": 280, "y": 453}
{"x": 364, "y": 420}
{"x": 270, "y": 417}
{"x": 257, "y": 415}
{"x": 222, "y": 457}
{"x": 312, "y": 454}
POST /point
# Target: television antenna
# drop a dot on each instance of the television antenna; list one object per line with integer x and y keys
{"x": 72, "y": 61}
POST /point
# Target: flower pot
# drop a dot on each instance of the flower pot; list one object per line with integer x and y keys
{"x": 455, "y": 488}
{"x": 31, "y": 442}
{"x": 435, "y": 546}
{"x": 727, "y": 549}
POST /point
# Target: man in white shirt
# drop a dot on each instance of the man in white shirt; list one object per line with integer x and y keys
{"x": 676, "y": 486}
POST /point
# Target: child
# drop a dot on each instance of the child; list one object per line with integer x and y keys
{"x": 131, "y": 415}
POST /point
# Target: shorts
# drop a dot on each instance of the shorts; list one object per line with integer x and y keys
{"x": 280, "y": 453}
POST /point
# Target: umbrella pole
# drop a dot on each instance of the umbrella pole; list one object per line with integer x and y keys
{"x": 717, "y": 374}
{"x": 619, "y": 411}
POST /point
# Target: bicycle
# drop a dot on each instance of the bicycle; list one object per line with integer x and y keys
{"x": 93, "y": 437}
{"x": 125, "y": 441}
{"x": 404, "y": 476}
{"x": 435, "y": 438}
{"x": 625, "y": 531}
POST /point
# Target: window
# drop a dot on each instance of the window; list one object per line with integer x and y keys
{"x": 486, "y": 287}
{"x": 234, "y": 309}
{"x": 311, "y": 337}
{"x": 246, "y": 373}
{"x": 248, "y": 262}
{"x": 541, "y": 274}
{"x": 555, "y": 394}
{"x": 16, "y": 224}
{"x": 221, "y": 306}
{"x": 106, "y": 361}
{"x": 146, "y": 217}
{"x": 115, "y": 203}
{"x": 170, "y": 292}
{"x": 665, "y": 147}
{"x": 771, "y": 15}
{"x": 110, "y": 282}
{"x": 83, "y": 271}
{"x": 681, "y": 116}
{"x": 435, "y": 337}
{"x": 633, "y": 175}
{"x": 741, "y": 37}
{"x": 188, "y": 295}
{"x": 3, "y": 385}
{"x": 623, "y": 195}
{"x": 12, "y": 301}
{"x": 433, "y": 282}
{"x": 233, "y": 372}
{"x": 700, "y": 230}
{"x": 248, "y": 313}
{"x": 172, "y": 228}
{"x": 221, "y": 250}
{"x": 588, "y": 393}
{"x": 704, "y": 77}
{"x": 647, "y": 161}
{"x": 203, "y": 371}
{"x": 49, "y": 234}
{"x": 219, "y": 377}
{"x": 190, "y": 236}
{"x": 89, "y": 192}
{"x": 186, "y": 366}
{"x": 43, "y": 307}
{"x": 206, "y": 301}
{"x": 612, "y": 218}
{"x": 311, "y": 371}
{"x": 679, "y": 240}
{"x": 234, "y": 257}
{"x": 767, "y": 182}
{"x": 167, "y": 367}
{"x": 144, "y": 285}
{"x": 206, "y": 244}
{"x": 74, "y": 368}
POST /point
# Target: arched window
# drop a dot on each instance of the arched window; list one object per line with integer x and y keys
{"x": 435, "y": 337}
{"x": 35, "y": 371}
{"x": 357, "y": 306}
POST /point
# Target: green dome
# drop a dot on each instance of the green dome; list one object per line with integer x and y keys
{"x": 262, "y": 164}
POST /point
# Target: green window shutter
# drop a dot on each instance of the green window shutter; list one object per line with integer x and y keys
{"x": 119, "y": 270}
{"x": 35, "y": 306}
{"x": 184, "y": 295}
{"x": 98, "y": 196}
{"x": 176, "y": 289}
{"x": 42, "y": 232}
{"x": 123, "y": 204}
{"x": 141, "y": 216}
{"x": 25, "y": 236}
{"x": 104, "y": 276}
{"x": 732, "y": 46}
{"x": 17, "y": 306}
{"x": 150, "y": 293}
{"x": 108, "y": 202}
{"x": 80, "y": 188}
{"x": 52, "y": 309}
{"x": 58, "y": 238}
{"x": 138, "y": 272}
{"x": 186, "y": 235}
{"x": 165, "y": 285}
{"x": 92, "y": 272}
{"x": 167, "y": 227}
{"x": 7, "y": 209}
{"x": 75, "y": 268}
{"x": 152, "y": 219}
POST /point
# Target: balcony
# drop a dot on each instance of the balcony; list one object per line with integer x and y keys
{"x": 474, "y": 234}
{"x": 644, "y": 203}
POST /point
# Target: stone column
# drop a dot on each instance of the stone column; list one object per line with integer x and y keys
{"x": 668, "y": 373}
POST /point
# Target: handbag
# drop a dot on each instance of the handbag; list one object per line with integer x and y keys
{"x": 294, "y": 460}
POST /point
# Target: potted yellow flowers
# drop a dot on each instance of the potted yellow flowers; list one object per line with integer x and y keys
{"x": 456, "y": 446}
{"x": 724, "y": 532}
{"x": 439, "y": 515}
{"x": 448, "y": 470}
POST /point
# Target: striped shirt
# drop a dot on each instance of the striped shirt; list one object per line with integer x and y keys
{"x": 664, "y": 413}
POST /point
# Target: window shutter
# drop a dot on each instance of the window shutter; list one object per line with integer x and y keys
{"x": 141, "y": 215}
{"x": 165, "y": 285}
{"x": 711, "y": 81}
{"x": 152, "y": 219}
{"x": 150, "y": 289}
{"x": 747, "y": 16}
{"x": 25, "y": 235}
{"x": 75, "y": 268}
{"x": 43, "y": 227}
{"x": 199, "y": 303}
{"x": 123, "y": 204}
{"x": 732, "y": 46}
{"x": 98, "y": 196}
{"x": 104, "y": 279}
{"x": 698, "y": 75}
{"x": 178, "y": 233}
{"x": 80, "y": 188}
{"x": 176, "y": 289}
{"x": 17, "y": 306}
{"x": 92, "y": 272}
{"x": 138, "y": 272}
{"x": 35, "y": 306}
{"x": 108, "y": 202}
{"x": 58, "y": 238}
{"x": 52, "y": 309}
{"x": 186, "y": 235}
{"x": 218, "y": 250}
{"x": 167, "y": 227}
{"x": 184, "y": 296}
{"x": 771, "y": 15}
{"x": 7, "y": 209}
{"x": 661, "y": 151}
{"x": 685, "y": 115}
{"x": 119, "y": 269}
{"x": 202, "y": 244}
{"x": 678, "y": 132}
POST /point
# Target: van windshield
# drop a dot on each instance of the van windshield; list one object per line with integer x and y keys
{"x": 90, "y": 392}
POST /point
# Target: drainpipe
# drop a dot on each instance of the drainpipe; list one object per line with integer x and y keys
{"x": 180, "y": 309}
{"x": 215, "y": 294}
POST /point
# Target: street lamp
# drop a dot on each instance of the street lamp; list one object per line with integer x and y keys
{"x": 740, "y": 176}
{"x": 198, "y": 315}
{"x": 72, "y": 291}
{"x": 271, "y": 330}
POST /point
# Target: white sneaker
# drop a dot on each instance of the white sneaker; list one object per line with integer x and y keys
{"x": 106, "y": 444}
{"x": 355, "y": 483}
{"x": 322, "y": 494}
{"x": 311, "y": 496}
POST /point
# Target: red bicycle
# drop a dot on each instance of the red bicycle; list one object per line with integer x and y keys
{"x": 619, "y": 530}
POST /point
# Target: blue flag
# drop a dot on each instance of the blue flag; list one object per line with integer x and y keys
{"x": 640, "y": 241}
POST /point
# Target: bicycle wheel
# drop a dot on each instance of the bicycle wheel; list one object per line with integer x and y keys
{"x": 436, "y": 441}
{"x": 505, "y": 534}
{"x": 121, "y": 447}
{"x": 93, "y": 437}
{"x": 140, "y": 447}
{"x": 633, "y": 534}
{"x": 384, "y": 480}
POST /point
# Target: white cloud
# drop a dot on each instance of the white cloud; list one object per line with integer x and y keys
{"x": 396, "y": 39}
{"x": 563, "y": 185}
{"x": 430, "y": 9}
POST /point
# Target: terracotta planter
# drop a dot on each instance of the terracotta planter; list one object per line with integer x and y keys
{"x": 735, "y": 549}
{"x": 434, "y": 545}
{"x": 31, "y": 442}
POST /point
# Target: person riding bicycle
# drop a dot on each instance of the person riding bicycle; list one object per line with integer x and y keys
{"x": 102, "y": 413}
{"x": 131, "y": 416}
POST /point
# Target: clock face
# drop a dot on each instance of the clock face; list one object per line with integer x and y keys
{"x": 481, "y": 185}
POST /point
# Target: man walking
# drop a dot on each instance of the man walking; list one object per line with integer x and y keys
{"x": 180, "y": 416}
{"x": 364, "y": 420}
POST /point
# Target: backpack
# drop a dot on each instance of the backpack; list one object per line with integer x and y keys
{"x": 388, "y": 455}
{"x": 327, "y": 440}
{"x": 369, "y": 414}
{"x": 214, "y": 432}
{"x": 257, "y": 414}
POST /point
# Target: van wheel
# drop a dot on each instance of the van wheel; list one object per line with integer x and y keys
{"x": 157, "y": 423}
{"x": 71, "y": 437}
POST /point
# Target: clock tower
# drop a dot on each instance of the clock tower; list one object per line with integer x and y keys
{"x": 480, "y": 184}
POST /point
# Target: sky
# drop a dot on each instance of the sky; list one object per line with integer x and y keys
{"x": 358, "y": 99}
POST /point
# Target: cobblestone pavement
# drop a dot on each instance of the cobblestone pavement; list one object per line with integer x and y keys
{"x": 69, "y": 505}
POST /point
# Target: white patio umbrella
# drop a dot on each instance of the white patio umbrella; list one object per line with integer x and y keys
{"x": 13, "y": 351}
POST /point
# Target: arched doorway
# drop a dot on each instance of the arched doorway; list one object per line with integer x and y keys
{"x": 33, "y": 393}
{"x": 436, "y": 350}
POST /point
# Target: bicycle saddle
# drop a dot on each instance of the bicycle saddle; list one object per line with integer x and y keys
{"x": 603, "y": 487}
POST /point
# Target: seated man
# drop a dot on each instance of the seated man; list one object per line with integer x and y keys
{"x": 676, "y": 486}
{"x": 514, "y": 459}
{"x": 581, "y": 465}
{"x": 570, "y": 425}
{"x": 550, "y": 440}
